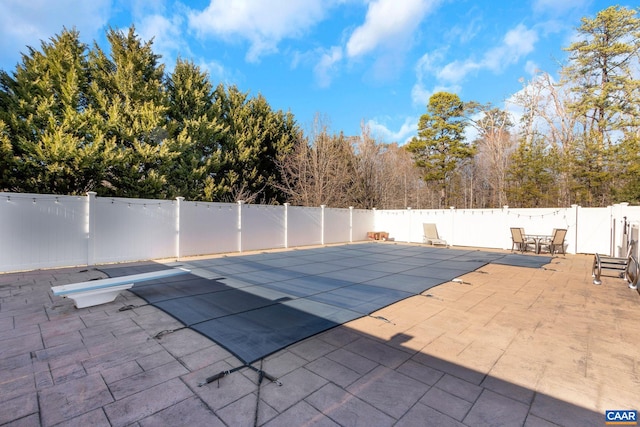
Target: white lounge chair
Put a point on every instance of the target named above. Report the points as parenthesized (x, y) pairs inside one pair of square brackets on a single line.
[(431, 235)]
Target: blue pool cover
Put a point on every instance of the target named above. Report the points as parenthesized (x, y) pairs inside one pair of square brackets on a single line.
[(255, 305)]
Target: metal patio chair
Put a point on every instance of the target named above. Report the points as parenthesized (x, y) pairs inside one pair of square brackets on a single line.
[(555, 243), (521, 242)]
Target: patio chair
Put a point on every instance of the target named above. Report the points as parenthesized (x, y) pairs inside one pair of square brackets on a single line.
[(627, 267), (431, 235), (555, 243), (520, 242)]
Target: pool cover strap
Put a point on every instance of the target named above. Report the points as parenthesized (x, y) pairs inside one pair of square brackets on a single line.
[(261, 374)]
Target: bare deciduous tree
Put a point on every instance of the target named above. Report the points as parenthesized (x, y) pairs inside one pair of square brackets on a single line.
[(320, 169), (494, 145)]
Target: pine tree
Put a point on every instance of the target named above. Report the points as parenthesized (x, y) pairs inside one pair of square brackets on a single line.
[(440, 148), (56, 147), (531, 176), (196, 127), (628, 190), (7, 161), (127, 91), (256, 138), (602, 73)]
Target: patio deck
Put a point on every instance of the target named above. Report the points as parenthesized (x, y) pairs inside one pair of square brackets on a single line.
[(510, 346)]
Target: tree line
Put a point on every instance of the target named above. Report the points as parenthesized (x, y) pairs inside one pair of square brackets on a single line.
[(577, 140), (74, 118)]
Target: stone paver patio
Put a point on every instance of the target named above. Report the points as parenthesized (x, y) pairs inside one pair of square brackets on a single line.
[(511, 346)]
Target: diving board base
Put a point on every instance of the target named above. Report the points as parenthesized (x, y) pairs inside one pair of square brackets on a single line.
[(97, 296)]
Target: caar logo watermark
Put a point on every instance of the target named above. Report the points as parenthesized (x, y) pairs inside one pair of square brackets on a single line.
[(621, 418)]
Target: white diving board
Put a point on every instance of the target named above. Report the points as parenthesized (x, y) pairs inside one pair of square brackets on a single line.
[(101, 291)]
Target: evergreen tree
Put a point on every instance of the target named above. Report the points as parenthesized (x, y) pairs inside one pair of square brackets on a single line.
[(602, 73), (588, 162), (531, 176), (196, 127), (56, 146), (127, 91), (628, 154), (440, 148), (7, 161), (256, 138)]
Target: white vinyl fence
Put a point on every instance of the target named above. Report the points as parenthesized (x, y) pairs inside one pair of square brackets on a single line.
[(42, 231)]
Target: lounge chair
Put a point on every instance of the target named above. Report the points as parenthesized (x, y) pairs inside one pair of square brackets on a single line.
[(431, 235), (521, 242), (627, 268), (555, 243)]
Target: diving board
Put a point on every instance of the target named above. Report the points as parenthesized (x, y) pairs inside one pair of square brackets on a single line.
[(101, 291)]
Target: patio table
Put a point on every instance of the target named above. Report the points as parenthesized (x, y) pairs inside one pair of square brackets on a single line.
[(538, 238)]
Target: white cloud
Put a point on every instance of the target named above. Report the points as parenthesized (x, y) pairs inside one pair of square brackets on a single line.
[(517, 42), (262, 23), (467, 33), (167, 37), (531, 67), (420, 94), (389, 28), (520, 40), (426, 67), (26, 23), (387, 23), (326, 67), (428, 62), (456, 71), (407, 130), (218, 73)]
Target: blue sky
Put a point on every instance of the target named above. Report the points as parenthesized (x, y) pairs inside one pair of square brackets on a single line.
[(350, 61)]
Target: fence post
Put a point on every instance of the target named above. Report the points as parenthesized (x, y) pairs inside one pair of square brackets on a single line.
[(505, 218), (322, 224), (350, 224), (178, 207), (576, 215), (240, 202), (410, 221), (375, 221), (286, 225), (91, 226), (452, 210)]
